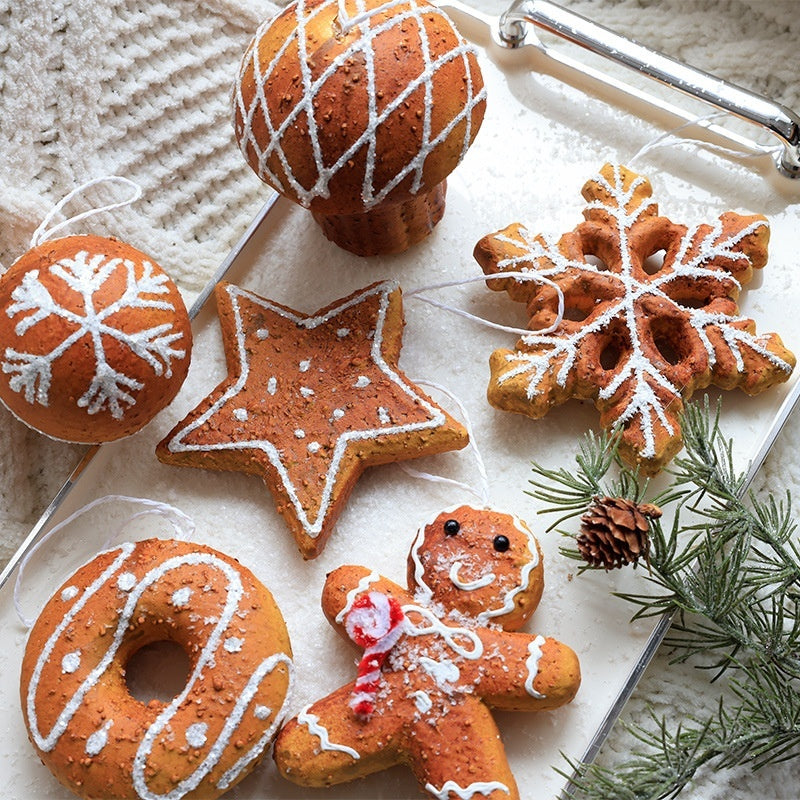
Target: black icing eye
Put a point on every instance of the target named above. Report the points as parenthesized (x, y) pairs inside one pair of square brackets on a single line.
[(452, 527), (501, 543)]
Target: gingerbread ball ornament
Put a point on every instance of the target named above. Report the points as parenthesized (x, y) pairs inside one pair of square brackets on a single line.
[(94, 339), (438, 657), (359, 111)]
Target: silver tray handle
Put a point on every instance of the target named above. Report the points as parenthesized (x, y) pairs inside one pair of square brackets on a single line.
[(774, 117)]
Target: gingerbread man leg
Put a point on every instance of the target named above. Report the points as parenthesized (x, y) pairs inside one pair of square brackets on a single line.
[(462, 755)]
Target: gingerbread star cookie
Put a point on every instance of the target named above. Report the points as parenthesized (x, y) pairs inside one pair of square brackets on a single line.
[(437, 657), (309, 402), (638, 334)]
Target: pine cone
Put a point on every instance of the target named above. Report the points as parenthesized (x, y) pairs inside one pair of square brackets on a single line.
[(614, 532)]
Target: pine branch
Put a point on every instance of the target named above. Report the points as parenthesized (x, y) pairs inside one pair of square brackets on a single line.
[(727, 569)]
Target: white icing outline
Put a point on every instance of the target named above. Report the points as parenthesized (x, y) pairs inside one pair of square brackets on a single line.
[(532, 665), (205, 659), (360, 47), (311, 721), (85, 273), (436, 417), (484, 788), (643, 403)]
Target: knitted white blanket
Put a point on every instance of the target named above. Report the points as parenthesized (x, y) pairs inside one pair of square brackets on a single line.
[(140, 88)]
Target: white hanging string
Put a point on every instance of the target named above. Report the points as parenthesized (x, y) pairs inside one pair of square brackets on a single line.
[(483, 493), (47, 229), (671, 139), (525, 276), (181, 523)]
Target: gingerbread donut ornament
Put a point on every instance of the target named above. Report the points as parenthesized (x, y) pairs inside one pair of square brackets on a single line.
[(358, 110), (94, 736), (94, 339), (638, 335), (437, 657)]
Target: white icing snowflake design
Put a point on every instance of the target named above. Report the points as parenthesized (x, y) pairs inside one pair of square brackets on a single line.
[(360, 48), (110, 389), (636, 336)]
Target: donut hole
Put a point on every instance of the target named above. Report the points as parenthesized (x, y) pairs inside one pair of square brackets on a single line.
[(654, 262), (157, 671)]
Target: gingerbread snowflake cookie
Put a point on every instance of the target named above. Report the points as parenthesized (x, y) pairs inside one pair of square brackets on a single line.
[(94, 338), (637, 336), (310, 401), (438, 656)]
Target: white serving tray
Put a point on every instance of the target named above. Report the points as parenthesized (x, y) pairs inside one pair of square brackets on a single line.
[(524, 166)]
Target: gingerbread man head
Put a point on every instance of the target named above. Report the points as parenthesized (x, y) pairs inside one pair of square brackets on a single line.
[(483, 564), (437, 657)]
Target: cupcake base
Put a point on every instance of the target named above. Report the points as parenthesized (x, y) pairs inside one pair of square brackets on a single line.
[(386, 229)]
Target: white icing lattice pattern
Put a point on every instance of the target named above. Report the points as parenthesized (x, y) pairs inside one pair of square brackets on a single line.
[(110, 389), (370, 23), (539, 355)]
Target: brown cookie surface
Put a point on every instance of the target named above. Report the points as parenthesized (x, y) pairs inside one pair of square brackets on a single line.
[(311, 401)]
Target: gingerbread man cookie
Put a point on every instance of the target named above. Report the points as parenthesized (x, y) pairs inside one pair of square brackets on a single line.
[(637, 336), (438, 656), (310, 401)]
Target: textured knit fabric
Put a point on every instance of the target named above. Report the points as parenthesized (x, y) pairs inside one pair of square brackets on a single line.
[(140, 88)]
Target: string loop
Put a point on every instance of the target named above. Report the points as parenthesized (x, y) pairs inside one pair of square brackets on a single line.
[(47, 229), (525, 276), (483, 493), (182, 524)]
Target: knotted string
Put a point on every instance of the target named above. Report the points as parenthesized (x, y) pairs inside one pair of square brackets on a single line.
[(47, 230), (524, 276), (671, 139), (182, 524), (483, 493)]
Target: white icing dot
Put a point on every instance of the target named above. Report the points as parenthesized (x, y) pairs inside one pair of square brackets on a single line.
[(383, 415), (233, 644), (196, 734), (272, 385), (126, 581), (314, 447), (240, 414), (71, 662), (305, 365), (443, 672), (362, 382), (342, 332), (422, 701), (180, 597), (337, 413), (306, 392), (262, 712), (262, 333), (69, 592), (98, 740), (300, 433)]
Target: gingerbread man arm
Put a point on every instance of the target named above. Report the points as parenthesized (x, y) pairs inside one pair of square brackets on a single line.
[(532, 673), (326, 743), (344, 584)]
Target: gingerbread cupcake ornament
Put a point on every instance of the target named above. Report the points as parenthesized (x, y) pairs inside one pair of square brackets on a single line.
[(94, 339), (359, 111), (437, 657), (637, 334)]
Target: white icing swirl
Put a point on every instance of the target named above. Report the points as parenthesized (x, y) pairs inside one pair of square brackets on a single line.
[(532, 665), (484, 788), (311, 721)]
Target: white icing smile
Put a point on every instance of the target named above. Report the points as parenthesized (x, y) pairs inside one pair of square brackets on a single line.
[(485, 580)]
